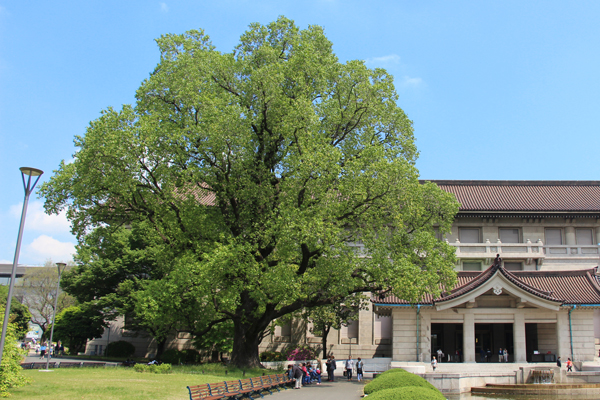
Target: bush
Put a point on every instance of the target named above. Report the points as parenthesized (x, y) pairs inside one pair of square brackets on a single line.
[(302, 353), (396, 380), (154, 368), (393, 371), (173, 356), (11, 373), (272, 356), (408, 393), (120, 349)]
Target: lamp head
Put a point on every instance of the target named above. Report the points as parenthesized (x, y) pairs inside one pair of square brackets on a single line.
[(31, 171)]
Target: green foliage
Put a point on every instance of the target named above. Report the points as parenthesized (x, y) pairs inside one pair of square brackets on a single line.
[(120, 348), (176, 357), (154, 368), (408, 393), (396, 380), (393, 371), (11, 373), (272, 356), (76, 324), (19, 313), (244, 175)]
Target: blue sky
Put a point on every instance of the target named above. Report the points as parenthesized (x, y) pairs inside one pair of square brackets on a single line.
[(496, 89)]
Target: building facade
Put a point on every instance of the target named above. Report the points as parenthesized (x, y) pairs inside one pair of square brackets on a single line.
[(536, 227)]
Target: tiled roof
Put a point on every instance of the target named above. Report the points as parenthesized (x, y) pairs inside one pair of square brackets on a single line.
[(567, 287), (523, 196)]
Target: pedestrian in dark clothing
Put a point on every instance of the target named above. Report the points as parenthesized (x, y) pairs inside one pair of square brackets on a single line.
[(298, 373)]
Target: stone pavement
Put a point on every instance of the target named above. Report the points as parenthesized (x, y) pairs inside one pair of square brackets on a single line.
[(339, 390)]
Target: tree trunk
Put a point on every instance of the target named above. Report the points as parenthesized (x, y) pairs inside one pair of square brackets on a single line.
[(325, 332), (160, 348), (246, 338)]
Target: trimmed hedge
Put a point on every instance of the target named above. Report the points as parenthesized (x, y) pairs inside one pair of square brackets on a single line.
[(393, 371), (396, 380), (408, 393), (120, 348)]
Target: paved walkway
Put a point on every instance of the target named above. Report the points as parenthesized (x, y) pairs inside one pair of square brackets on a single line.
[(338, 390)]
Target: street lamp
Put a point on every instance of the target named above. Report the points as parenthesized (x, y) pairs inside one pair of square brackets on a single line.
[(28, 186), (61, 268)]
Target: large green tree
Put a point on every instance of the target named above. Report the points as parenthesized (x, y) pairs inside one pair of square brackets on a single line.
[(257, 168)]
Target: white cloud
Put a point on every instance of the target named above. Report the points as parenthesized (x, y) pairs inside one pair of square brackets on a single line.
[(46, 247), (384, 61), (5, 262), (38, 220), (164, 7), (411, 82)]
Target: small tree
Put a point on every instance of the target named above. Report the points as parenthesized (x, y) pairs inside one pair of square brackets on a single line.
[(10, 370), (19, 313), (76, 324), (37, 290), (334, 316)]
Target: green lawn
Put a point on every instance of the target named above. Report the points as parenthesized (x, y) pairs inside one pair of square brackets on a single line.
[(110, 384)]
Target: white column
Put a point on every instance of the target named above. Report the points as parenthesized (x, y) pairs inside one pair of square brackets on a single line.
[(469, 337), (563, 337), (519, 337)]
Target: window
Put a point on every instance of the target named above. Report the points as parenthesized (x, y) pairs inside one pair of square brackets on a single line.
[(584, 236), (513, 266), (469, 235), (509, 235), (554, 237), (471, 266)]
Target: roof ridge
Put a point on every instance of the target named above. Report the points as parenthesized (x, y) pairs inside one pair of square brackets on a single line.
[(459, 182)]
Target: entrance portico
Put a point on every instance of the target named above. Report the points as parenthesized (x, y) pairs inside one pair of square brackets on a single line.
[(528, 313)]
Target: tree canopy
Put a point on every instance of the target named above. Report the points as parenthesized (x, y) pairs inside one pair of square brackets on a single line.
[(263, 173)]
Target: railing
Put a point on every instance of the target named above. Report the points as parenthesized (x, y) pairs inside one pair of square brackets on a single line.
[(571, 251), (489, 250)]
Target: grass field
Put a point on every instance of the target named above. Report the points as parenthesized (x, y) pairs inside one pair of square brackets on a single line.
[(112, 384)]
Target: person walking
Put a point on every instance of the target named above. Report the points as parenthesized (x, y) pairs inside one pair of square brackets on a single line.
[(42, 350), (558, 362), (500, 355), (569, 365), (297, 376), (349, 368), (434, 363), (359, 369), (505, 355)]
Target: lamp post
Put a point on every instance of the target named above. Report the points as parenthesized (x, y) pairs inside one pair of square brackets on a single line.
[(28, 186), (61, 268)]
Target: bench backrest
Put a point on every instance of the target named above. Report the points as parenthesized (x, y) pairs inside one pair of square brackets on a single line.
[(233, 386), (198, 392), (217, 388), (257, 382), (246, 384)]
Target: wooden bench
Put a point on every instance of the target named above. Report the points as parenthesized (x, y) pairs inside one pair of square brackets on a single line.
[(238, 389)]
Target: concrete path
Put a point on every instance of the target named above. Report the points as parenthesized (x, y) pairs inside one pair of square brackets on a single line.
[(338, 390)]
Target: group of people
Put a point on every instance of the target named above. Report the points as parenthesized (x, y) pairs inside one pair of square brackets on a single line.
[(43, 348), (306, 373), (569, 364), (486, 355), (502, 355)]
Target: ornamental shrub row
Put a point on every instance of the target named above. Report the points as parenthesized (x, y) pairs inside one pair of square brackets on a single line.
[(155, 368), (398, 384)]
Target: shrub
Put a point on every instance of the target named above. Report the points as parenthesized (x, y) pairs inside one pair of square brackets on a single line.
[(11, 373), (302, 353), (272, 356), (408, 393), (120, 349), (396, 380), (154, 368), (393, 371), (173, 356)]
